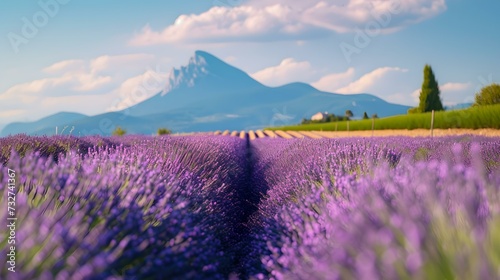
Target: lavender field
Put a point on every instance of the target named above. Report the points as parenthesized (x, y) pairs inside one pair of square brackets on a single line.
[(217, 207)]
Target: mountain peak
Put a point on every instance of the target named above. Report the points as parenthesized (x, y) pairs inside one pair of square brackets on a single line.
[(204, 55), (202, 66)]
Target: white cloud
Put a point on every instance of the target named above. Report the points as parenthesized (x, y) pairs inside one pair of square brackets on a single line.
[(89, 82), (388, 16), (455, 93), (30, 92), (384, 82), (289, 70), (401, 98), (259, 20), (120, 62), (72, 65), (67, 84), (227, 24), (332, 82), (104, 63), (11, 113), (415, 95), (368, 81), (138, 89), (29, 87), (85, 86), (455, 87), (77, 77)]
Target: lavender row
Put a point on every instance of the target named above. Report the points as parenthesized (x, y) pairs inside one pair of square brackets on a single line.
[(51, 146), (387, 208), (209, 207), (148, 208)]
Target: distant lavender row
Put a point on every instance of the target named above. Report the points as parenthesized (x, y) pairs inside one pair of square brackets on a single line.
[(385, 208), (149, 208), (52, 146)]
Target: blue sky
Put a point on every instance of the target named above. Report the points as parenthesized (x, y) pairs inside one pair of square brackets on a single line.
[(96, 56)]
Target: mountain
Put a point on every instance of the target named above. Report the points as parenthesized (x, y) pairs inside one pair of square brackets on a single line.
[(458, 106), (204, 79), (208, 94), (60, 120)]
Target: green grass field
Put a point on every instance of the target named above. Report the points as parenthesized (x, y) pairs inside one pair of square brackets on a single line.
[(472, 118)]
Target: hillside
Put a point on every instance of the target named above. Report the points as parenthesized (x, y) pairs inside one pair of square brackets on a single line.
[(471, 118)]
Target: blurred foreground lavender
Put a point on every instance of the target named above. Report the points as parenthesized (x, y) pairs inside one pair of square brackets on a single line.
[(213, 207), (392, 208), (148, 208)]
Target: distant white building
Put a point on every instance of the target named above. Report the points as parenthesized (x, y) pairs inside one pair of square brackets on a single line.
[(319, 116)]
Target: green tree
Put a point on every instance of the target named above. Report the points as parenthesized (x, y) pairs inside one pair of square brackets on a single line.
[(163, 131), (119, 131), (331, 118), (414, 110), (349, 114), (365, 116), (488, 95), (429, 94), (374, 116)]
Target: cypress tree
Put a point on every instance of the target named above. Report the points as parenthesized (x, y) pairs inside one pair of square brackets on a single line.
[(430, 95)]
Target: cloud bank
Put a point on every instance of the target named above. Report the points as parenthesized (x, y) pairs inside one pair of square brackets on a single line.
[(105, 83), (265, 20)]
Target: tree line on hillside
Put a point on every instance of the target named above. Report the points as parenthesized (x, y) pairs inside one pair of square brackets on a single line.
[(120, 131), (326, 118), (336, 118)]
